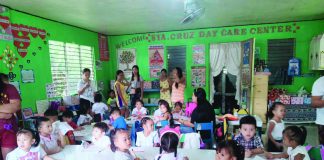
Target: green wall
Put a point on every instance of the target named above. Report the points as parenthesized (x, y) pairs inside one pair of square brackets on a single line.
[(304, 31), (41, 62)]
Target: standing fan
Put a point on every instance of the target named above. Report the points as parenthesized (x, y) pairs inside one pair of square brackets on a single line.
[(192, 11)]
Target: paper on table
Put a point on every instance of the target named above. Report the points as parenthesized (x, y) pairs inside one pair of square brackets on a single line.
[(61, 127)]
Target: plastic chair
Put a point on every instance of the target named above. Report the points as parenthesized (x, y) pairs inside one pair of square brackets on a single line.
[(206, 127), (316, 153), (164, 123)]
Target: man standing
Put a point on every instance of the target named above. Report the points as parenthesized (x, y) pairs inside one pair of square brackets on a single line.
[(318, 103)]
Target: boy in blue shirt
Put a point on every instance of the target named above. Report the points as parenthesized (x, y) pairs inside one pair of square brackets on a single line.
[(119, 121)]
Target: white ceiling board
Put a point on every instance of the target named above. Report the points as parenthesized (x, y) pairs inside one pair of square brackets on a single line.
[(116, 17)]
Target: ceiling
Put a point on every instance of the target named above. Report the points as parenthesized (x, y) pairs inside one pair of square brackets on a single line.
[(117, 17)]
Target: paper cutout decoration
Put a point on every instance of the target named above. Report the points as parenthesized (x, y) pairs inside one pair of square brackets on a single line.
[(34, 53), (27, 113), (103, 47), (294, 67), (198, 76), (198, 54), (4, 22), (21, 66), (9, 58), (11, 75), (28, 61), (33, 31), (27, 76), (42, 106), (50, 90), (126, 59)]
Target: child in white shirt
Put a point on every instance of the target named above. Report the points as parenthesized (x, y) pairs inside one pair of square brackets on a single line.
[(177, 110), (139, 110), (148, 137), (49, 142), (99, 137), (28, 147), (99, 107), (120, 144)]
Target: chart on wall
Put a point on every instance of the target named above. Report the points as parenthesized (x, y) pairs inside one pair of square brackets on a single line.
[(156, 60), (198, 54), (198, 76), (126, 60)]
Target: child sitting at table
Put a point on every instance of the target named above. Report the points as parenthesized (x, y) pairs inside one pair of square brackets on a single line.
[(275, 127), (147, 137), (99, 137), (48, 141), (28, 147), (247, 137), (111, 102), (229, 150), (99, 107), (84, 117), (52, 115), (169, 144), (177, 110), (165, 111), (67, 117), (139, 110), (118, 120), (294, 138), (120, 144)]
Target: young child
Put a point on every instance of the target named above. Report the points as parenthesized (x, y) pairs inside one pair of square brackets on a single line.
[(84, 117), (247, 138), (99, 137), (229, 150), (52, 115), (48, 141), (67, 117), (165, 111), (28, 147), (99, 107), (169, 144), (119, 121), (120, 144), (275, 127), (146, 138), (111, 102), (177, 110), (158, 112), (293, 137), (139, 110)]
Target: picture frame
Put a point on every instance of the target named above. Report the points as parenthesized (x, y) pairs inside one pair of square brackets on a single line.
[(27, 113)]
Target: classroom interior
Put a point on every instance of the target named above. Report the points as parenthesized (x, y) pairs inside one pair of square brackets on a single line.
[(244, 54)]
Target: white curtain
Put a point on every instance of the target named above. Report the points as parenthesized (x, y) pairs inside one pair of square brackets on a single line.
[(225, 55)]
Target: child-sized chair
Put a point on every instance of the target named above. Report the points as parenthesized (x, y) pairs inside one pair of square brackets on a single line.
[(206, 127), (316, 153)]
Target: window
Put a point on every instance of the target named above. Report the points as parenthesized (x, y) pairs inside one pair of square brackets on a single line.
[(176, 58), (67, 62), (279, 53)]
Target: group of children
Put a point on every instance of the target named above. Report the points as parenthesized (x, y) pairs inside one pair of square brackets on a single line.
[(247, 143)]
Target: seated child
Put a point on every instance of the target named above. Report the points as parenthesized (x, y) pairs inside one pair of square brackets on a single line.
[(52, 115), (177, 110), (99, 107), (247, 138), (165, 111), (111, 102), (147, 137), (120, 144), (275, 127), (229, 150), (84, 117), (158, 111), (28, 147), (99, 137), (67, 117), (118, 120), (169, 143), (139, 110), (294, 138), (48, 141)]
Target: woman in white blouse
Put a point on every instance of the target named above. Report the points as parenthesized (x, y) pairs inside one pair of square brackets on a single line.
[(86, 90)]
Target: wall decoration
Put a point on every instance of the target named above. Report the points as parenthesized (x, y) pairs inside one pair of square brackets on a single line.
[(50, 90), (126, 59), (28, 61), (103, 47), (294, 67), (198, 76), (17, 85), (27, 113), (9, 58), (156, 60), (98, 65), (11, 75), (198, 54), (34, 53), (27, 76), (39, 48), (21, 66)]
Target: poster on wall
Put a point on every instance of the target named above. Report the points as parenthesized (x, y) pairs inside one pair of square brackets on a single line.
[(198, 77), (126, 60), (198, 54), (246, 76), (246, 53), (50, 90), (27, 76), (103, 47), (156, 60)]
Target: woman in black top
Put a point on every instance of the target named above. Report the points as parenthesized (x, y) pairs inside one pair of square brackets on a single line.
[(204, 112)]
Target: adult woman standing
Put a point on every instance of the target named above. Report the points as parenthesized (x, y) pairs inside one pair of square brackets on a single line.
[(165, 86), (86, 90), (136, 84), (178, 86), (204, 112), (9, 104), (120, 92)]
